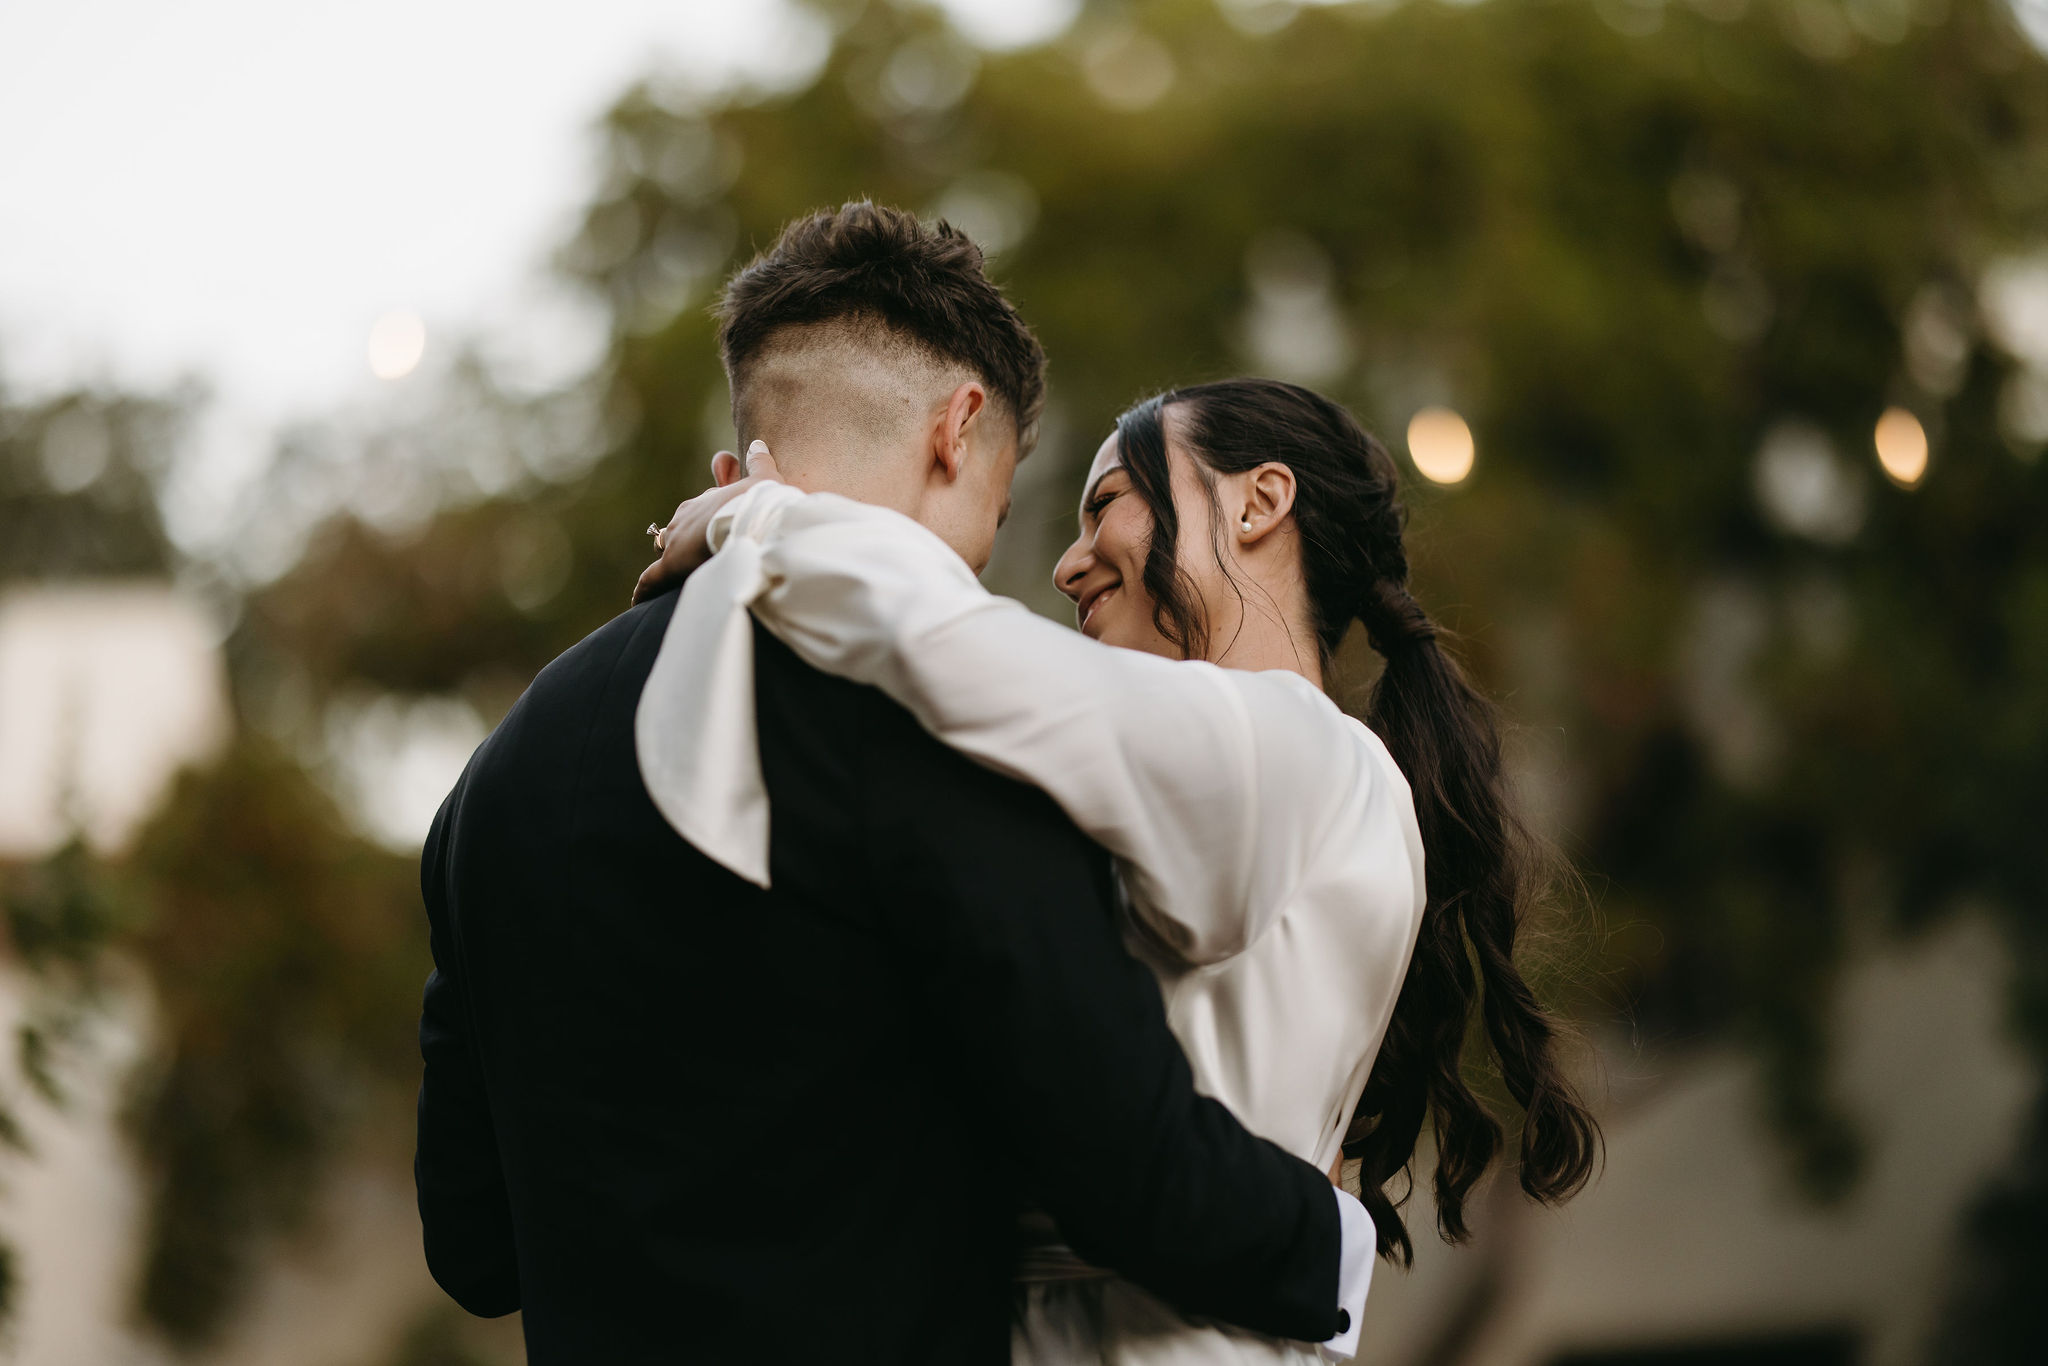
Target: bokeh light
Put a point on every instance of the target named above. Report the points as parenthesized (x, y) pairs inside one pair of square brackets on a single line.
[(397, 341), (1441, 445), (1128, 69), (1805, 487), (1902, 447)]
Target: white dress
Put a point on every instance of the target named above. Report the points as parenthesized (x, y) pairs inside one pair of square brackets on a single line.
[(1266, 843)]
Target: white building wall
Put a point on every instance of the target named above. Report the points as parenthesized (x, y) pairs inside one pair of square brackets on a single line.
[(106, 690)]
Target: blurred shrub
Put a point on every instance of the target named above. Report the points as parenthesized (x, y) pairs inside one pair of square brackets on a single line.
[(60, 913), (287, 956), (80, 473)]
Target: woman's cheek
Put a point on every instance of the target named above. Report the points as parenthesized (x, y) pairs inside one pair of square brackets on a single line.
[(1126, 548)]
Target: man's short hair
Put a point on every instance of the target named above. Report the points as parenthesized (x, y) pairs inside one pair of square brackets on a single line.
[(872, 267)]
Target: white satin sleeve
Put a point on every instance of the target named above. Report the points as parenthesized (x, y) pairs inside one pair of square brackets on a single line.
[(1210, 785)]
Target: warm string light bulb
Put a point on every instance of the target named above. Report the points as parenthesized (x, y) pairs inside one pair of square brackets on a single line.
[(1902, 447), (1440, 444)]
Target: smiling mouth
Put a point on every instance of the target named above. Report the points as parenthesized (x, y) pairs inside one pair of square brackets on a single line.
[(1094, 603)]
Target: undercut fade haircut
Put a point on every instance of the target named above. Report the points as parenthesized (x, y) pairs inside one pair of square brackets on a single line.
[(925, 285)]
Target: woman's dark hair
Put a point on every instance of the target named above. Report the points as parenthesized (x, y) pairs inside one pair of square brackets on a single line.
[(1480, 864)]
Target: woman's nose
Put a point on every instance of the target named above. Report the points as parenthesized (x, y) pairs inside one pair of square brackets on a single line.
[(1072, 568)]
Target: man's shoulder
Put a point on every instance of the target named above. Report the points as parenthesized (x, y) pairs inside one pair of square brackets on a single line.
[(884, 756), (619, 652), (837, 710), (600, 676)]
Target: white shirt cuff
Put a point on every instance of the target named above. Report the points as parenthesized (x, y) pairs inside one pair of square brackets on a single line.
[(1354, 1274)]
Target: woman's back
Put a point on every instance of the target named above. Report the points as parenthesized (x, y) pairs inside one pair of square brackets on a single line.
[(1284, 1031)]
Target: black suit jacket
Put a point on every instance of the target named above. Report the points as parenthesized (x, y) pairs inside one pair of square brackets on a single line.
[(673, 1117)]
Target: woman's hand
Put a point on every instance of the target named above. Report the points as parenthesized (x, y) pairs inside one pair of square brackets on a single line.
[(682, 542)]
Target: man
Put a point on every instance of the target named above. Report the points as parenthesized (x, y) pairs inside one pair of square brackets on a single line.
[(680, 1106)]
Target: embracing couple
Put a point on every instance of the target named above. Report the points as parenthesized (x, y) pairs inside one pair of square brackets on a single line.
[(837, 963)]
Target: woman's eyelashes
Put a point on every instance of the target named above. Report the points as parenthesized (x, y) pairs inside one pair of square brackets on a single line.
[(1099, 502)]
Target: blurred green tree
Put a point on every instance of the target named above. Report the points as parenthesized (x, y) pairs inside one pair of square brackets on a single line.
[(80, 477), (287, 957)]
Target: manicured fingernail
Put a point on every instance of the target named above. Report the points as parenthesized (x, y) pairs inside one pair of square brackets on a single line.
[(757, 448)]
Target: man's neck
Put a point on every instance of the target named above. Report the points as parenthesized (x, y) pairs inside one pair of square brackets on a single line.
[(835, 466)]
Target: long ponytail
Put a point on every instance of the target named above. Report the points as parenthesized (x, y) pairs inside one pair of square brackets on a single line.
[(1479, 868), (1481, 871)]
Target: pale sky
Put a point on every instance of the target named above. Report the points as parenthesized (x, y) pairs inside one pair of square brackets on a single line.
[(239, 189)]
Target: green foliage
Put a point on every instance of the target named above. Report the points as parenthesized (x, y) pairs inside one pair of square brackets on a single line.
[(62, 911), (287, 957), (59, 914), (79, 477)]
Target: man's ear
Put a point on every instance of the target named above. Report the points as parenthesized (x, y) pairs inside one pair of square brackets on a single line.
[(955, 427), (1268, 498)]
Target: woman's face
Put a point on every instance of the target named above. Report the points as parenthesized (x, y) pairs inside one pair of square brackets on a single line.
[(1103, 571)]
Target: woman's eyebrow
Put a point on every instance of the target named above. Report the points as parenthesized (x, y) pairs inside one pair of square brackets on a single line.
[(1088, 494)]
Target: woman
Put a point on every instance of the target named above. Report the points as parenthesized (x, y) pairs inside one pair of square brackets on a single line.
[(1272, 849)]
